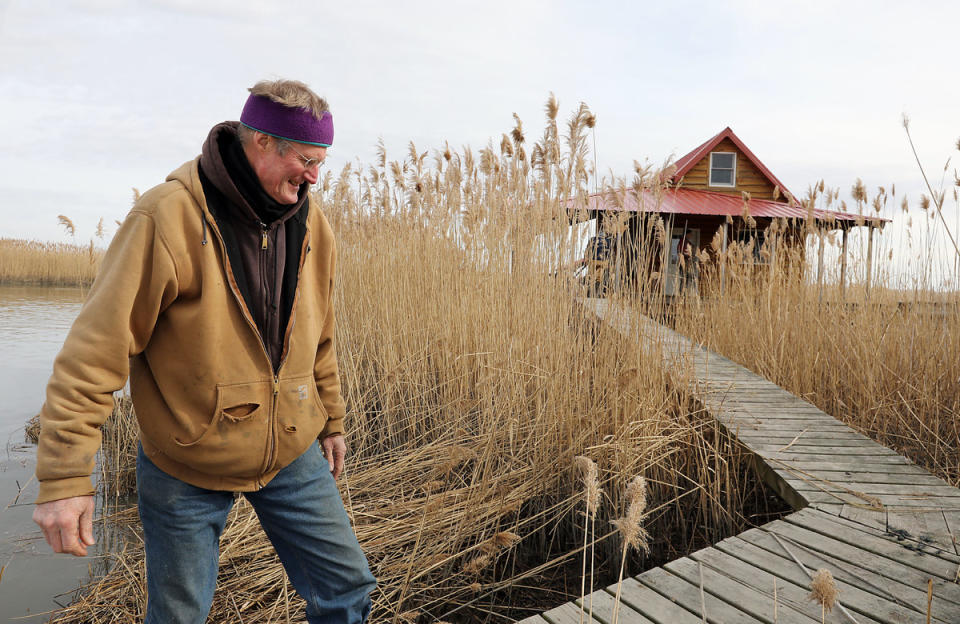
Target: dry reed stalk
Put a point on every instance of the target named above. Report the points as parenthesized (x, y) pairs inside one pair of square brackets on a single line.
[(591, 490), (776, 617)]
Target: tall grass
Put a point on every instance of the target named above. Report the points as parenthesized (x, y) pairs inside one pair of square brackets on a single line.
[(49, 264), (885, 358), (472, 383)]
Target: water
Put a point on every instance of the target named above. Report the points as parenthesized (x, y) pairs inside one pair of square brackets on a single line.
[(33, 324)]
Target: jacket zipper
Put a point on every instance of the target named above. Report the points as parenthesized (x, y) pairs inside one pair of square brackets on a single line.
[(286, 341), (231, 281), (271, 433)]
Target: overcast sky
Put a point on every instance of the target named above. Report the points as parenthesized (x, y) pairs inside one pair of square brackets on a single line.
[(98, 96)]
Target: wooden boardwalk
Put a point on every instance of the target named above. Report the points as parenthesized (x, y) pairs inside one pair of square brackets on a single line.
[(883, 526)]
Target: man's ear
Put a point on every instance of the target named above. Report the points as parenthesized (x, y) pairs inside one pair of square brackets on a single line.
[(263, 141)]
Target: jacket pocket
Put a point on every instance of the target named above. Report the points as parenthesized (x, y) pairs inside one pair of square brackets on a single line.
[(233, 442)]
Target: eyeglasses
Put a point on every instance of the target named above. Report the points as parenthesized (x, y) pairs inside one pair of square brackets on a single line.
[(308, 163)]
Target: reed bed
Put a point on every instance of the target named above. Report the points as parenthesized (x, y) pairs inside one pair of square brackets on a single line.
[(472, 384), (48, 264), (883, 355)]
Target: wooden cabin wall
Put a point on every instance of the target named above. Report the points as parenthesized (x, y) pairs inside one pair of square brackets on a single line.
[(748, 177), (642, 254)]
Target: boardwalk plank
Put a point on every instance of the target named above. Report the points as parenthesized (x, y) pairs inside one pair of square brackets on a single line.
[(865, 549), (931, 492), (793, 590), (852, 558), (862, 590), (774, 424), (801, 435), (848, 445), (533, 619), (925, 525), (569, 613), (688, 596), (947, 554), (603, 604), (744, 596), (876, 518), (651, 604), (845, 464), (726, 405), (953, 525), (773, 454), (871, 479)]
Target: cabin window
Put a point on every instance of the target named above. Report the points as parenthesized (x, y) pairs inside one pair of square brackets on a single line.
[(723, 169)]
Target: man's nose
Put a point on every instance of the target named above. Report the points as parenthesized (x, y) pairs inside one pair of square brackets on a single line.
[(312, 174)]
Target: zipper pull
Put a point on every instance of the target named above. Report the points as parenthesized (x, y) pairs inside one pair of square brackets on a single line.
[(276, 386), (263, 239)]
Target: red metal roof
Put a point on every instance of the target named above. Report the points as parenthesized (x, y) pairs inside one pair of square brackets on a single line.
[(695, 202), (687, 162)]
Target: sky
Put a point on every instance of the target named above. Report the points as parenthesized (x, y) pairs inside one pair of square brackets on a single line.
[(100, 96)]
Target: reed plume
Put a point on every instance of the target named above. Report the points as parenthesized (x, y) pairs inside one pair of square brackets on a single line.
[(67, 224), (632, 532), (824, 591)]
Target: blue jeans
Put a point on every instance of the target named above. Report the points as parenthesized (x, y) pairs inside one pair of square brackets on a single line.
[(300, 511)]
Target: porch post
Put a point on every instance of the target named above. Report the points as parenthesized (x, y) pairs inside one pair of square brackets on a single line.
[(773, 254), (869, 258), (723, 259), (843, 266), (820, 266)]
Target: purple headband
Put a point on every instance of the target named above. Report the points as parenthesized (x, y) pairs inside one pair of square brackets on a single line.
[(262, 114)]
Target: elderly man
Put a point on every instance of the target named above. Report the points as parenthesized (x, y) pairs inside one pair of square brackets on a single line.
[(216, 299)]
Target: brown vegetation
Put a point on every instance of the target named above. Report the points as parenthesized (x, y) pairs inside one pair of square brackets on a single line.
[(52, 264), (884, 360)]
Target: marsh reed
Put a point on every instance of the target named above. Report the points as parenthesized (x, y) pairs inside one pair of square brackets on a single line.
[(883, 356), (48, 264)]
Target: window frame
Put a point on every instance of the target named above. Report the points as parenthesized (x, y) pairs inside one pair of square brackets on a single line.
[(710, 181)]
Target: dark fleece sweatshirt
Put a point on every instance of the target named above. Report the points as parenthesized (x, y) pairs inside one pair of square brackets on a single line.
[(263, 238)]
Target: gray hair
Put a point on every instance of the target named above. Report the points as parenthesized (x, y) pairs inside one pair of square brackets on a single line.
[(291, 93), (246, 134)]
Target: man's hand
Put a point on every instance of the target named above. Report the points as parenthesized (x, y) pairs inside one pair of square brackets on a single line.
[(67, 524), (334, 449)]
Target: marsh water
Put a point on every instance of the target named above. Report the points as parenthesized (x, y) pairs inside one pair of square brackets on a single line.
[(33, 324)]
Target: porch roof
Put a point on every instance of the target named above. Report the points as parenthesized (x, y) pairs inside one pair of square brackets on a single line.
[(710, 203)]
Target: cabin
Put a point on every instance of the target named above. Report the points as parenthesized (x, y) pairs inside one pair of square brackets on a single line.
[(716, 195)]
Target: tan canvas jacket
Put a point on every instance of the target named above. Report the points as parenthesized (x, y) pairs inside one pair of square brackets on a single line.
[(166, 311)]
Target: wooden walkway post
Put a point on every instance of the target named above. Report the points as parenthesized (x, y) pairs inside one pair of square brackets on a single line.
[(843, 266), (723, 259), (869, 257), (820, 266)]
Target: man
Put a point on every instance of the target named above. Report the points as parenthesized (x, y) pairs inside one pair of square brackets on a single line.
[(596, 258), (216, 298)]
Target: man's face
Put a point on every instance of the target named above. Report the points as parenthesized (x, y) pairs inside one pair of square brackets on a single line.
[(281, 175)]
